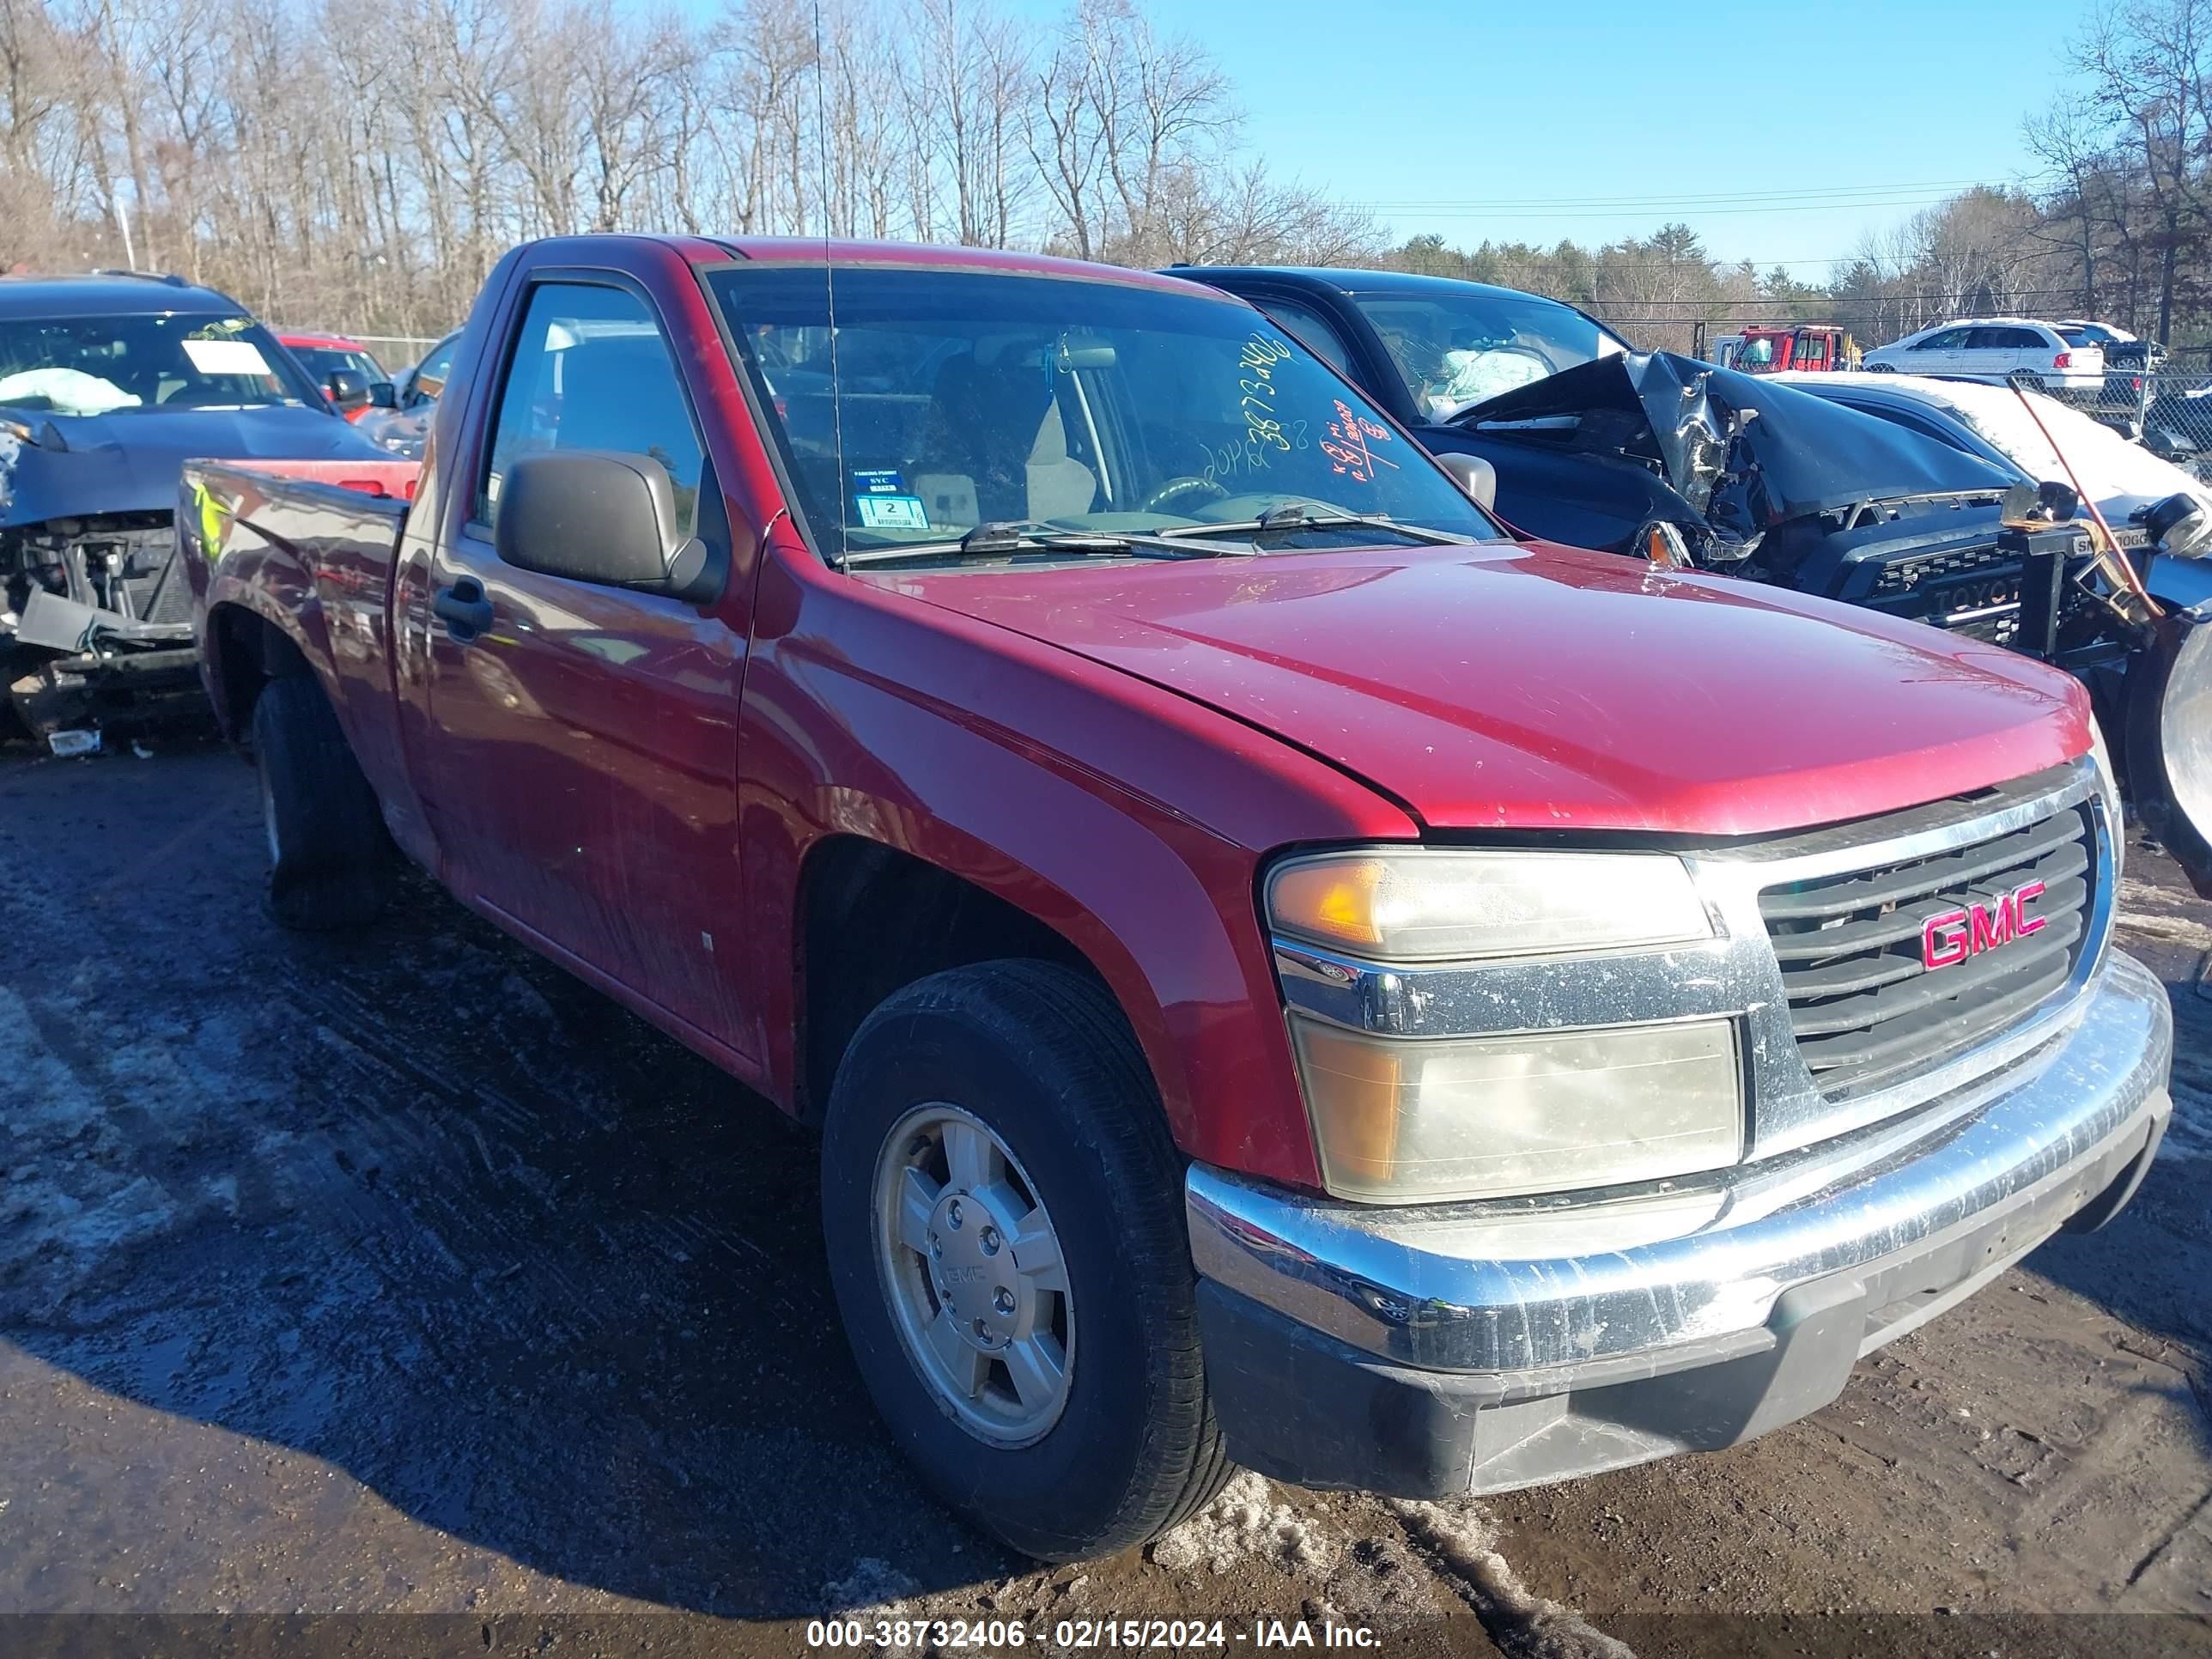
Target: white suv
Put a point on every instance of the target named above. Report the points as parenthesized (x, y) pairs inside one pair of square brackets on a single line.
[(1994, 349)]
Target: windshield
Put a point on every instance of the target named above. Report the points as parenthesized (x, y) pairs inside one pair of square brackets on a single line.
[(1458, 348), (323, 361), (104, 365), (955, 399), (2089, 334)]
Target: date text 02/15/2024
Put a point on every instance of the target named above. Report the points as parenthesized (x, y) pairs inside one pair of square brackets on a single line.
[(1068, 1635)]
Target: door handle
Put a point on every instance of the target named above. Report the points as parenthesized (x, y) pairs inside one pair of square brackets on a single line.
[(466, 612)]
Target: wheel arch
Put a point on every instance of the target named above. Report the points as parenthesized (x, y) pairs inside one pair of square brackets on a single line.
[(1140, 915), (245, 648), (873, 919)]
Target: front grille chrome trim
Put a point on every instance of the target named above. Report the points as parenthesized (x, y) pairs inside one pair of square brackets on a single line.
[(1737, 973)]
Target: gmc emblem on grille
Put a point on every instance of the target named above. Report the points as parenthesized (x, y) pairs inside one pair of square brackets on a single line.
[(1954, 935)]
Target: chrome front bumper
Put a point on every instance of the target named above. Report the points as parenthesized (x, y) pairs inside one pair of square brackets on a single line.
[(1511, 1342)]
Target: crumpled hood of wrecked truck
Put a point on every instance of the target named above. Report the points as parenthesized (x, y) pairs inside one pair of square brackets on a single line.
[(1528, 687), (128, 461), (1748, 451)]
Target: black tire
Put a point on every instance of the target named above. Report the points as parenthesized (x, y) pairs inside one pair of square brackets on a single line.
[(330, 864), (1042, 1056)]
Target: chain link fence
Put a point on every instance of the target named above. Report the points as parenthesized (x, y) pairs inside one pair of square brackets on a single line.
[(2170, 409)]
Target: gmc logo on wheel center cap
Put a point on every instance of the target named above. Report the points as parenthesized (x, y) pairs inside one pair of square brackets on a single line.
[(1953, 935)]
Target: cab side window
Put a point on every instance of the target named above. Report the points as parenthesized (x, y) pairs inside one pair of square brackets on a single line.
[(591, 370), (1312, 330), (427, 379)]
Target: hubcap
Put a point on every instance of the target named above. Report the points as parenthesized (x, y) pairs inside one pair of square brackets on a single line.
[(973, 1272)]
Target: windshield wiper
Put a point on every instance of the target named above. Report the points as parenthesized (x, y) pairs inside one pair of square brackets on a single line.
[(1012, 535), (1300, 515)]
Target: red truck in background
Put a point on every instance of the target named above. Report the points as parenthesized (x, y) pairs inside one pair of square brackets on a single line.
[(1285, 971), (1770, 349), (347, 370)]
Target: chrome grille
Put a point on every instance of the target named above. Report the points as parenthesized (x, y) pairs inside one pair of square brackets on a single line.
[(1865, 1008)]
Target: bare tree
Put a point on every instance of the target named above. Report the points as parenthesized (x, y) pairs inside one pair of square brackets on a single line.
[(2149, 63)]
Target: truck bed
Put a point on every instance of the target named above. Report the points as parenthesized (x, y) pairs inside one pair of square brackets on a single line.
[(310, 507), (320, 538)]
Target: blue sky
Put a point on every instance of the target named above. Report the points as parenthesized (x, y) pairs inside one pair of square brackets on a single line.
[(1450, 110)]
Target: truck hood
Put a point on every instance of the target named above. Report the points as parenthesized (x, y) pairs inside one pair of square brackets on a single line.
[(1744, 451), (128, 461), (1528, 687)]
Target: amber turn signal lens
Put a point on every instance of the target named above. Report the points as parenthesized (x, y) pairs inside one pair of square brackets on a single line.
[(1332, 900), (1453, 904)]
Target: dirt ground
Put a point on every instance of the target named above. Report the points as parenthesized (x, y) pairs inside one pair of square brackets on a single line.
[(404, 1295)]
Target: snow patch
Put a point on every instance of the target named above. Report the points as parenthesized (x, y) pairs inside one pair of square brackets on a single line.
[(63, 1205), (1244, 1523), (2189, 1132), (1525, 1626), (2167, 929), (2152, 912), (874, 1591), (873, 1586)]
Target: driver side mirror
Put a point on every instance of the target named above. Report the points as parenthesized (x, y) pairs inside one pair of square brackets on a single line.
[(595, 516), (1474, 475), (382, 394), (2049, 503), (348, 389)]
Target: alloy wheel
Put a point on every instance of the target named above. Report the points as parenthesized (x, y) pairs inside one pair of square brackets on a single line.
[(974, 1275)]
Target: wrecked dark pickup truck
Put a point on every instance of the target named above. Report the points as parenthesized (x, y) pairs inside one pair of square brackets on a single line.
[(1575, 438), (108, 384)]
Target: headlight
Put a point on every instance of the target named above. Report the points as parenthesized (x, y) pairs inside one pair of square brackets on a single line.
[(1439, 904), (1410, 1122), (1401, 1121), (2108, 784)]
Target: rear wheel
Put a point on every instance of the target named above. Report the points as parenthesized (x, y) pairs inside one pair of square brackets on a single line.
[(330, 866), (1003, 1209)]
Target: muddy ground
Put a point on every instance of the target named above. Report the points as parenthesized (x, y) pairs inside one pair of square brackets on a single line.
[(405, 1276)]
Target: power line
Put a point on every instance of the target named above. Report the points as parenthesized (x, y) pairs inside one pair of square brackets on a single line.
[(1676, 208), (1792, 194)]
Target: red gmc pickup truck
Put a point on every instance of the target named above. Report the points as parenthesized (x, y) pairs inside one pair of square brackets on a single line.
[(1283, 971)]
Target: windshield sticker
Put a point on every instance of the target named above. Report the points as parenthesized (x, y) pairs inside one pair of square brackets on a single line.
[(886, 481), (1256, 379), (892, 511), (1348, 445), (226, 356)]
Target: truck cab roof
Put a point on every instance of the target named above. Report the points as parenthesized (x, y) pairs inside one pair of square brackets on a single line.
[(104, 294), (1357, 281)]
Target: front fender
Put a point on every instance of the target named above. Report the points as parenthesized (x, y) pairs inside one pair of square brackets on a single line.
[(1163, 910), (1128, 820)]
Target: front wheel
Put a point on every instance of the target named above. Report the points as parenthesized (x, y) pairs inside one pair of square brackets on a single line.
[(1003, 1209)]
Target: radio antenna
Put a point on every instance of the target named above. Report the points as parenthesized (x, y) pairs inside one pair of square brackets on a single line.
[(830, 283)]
